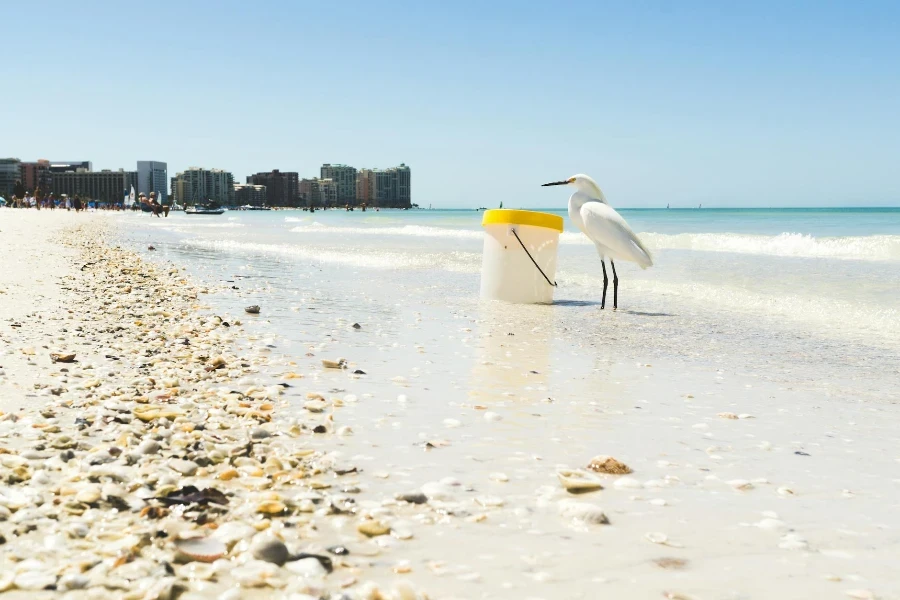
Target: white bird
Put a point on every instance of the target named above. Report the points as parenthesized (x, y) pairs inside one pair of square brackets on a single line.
[(612, 236)]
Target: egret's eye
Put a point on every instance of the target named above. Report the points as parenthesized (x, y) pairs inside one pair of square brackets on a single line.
[(571, 180)]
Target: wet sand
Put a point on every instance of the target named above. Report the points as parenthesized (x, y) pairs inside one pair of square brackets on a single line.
[(741, 487)]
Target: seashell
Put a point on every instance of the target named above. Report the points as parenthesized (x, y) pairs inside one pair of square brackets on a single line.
[(727, 415), (608, 465), (413, 497), (657, 538), (315, 406), (34, 580), (271, 550), (578, 482), (785, 491), (207, 549), (334, 364), (582, 511), (89, 495), (489, 501), (253, 310), (792, 541), (72, 581), (62, 357), (6, 580), (149, 447), (307, 567), (228, 474), (492, 416), (271, 507), (373, 528), (185, 467), (149, 412)]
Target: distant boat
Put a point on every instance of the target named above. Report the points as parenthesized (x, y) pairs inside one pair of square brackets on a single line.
[(667, 206), (251, 207), (204, 209)]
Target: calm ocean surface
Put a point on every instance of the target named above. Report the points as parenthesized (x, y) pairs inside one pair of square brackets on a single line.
[(805, 295)]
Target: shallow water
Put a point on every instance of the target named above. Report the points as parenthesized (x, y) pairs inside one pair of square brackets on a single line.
[(805, 335)]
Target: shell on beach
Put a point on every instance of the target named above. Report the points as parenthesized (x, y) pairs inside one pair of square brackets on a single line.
[(206, 549), (578, 482), (583, 511), (608, 465)]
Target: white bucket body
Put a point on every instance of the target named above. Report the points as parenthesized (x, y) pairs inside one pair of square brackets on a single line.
[(506, 271)]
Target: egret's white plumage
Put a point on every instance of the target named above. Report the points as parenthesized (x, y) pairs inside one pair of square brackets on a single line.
[(614, 239)]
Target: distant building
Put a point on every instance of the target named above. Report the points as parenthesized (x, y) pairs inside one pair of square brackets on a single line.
[(152, 176), (64, 166), (282, 188), (309, 192), (328, 190), (104, 186), (36, 175), (364, 182), (344, 178), (384, 187), (197, 186), (247, 193), (9, 174)]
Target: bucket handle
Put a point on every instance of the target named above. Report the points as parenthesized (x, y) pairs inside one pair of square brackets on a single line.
[(534, 262)]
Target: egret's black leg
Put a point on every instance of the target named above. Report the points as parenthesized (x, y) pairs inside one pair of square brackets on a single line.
[(605, 282), (615, 286)]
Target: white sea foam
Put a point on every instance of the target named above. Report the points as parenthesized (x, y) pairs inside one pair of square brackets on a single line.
[(874, 247), (871, 247)]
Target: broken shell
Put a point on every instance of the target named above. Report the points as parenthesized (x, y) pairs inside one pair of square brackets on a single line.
[(608, 465), (253, 310), (727, 415), (334, 364), (578, 482), (62, 357), (200, 549)]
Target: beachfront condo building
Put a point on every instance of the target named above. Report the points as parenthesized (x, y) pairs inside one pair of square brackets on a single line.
[(64, 166), (384, 187), (282, 188), (9, 175), (197, 186), (344, 178), (103, 186), (153, 177), (248, 193), (36, 175)]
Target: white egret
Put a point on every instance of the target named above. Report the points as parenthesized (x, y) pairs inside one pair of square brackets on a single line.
[(612, 236)]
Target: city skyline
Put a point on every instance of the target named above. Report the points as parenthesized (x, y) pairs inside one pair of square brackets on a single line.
[(724, 105)]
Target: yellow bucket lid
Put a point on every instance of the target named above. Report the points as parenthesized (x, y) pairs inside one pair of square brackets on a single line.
[(503, 216)]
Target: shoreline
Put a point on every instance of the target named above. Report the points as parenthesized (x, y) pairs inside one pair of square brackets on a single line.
[(155, 462)]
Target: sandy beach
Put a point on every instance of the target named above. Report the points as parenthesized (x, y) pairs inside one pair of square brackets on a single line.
[(191, 450)]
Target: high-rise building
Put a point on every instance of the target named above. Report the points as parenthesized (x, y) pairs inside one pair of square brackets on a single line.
[(9, 175), (344, 178), (282, 188), (104, 186), (152, 176), (197, 186), (247, 193), (364, 182), (384, 187), (328, 191), (36, 175), (309, 192)]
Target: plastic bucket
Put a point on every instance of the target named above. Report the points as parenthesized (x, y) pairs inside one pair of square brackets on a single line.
[(519, 260)]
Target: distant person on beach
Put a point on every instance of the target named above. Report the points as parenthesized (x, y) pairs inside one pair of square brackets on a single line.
[(154, 205)]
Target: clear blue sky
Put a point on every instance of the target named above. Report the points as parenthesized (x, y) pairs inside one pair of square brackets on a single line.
[(762, 104)]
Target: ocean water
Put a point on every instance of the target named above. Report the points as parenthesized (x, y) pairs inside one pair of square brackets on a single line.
[(789, 315), (816, 286)]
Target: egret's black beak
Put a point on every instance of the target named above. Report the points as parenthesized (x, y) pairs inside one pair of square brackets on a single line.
[(555, 183)]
